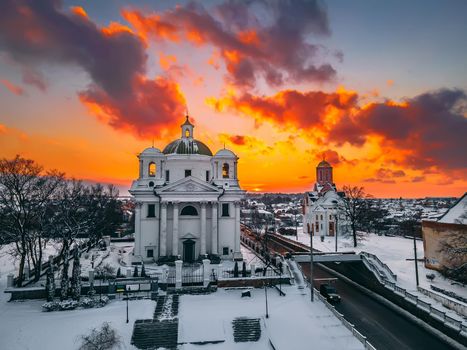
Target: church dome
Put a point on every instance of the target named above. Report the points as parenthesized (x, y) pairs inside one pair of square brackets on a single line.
[(151, 151), (187, 146), (225, 153), (324, 164)]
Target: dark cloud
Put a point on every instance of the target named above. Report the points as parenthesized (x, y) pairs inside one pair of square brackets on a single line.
[(40, 32), (34, 77), (238, 139), (268, 39), (429, 128)]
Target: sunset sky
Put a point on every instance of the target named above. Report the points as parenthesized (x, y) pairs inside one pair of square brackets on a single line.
[(379, 88)]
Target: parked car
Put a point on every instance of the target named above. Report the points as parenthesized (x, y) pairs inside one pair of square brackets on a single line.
[(330, 293)]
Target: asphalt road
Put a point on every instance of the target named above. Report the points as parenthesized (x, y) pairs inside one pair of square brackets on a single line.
[(384, 328)]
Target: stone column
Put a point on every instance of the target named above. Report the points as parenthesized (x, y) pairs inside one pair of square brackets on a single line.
[(206, 272), (138, 206), (203, 228), (175, 230), (237, 253), (163, 242), (178, 274), (214, 243)]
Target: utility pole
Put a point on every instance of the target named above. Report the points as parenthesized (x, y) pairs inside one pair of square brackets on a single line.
[(266, 293), (296, 232), (311, 265), (336, 217), (415, 255), (126, 289)]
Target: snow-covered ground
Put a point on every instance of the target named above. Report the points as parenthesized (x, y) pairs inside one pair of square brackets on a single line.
[(393, 251), (294, 322)]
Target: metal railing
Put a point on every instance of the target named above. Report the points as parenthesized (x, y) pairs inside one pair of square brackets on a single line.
[(340, 316), (425, 306)]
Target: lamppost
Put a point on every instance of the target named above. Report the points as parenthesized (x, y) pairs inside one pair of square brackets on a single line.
[(336, 219), (266, 294), (311, 265), (415, 255), (126, 291)]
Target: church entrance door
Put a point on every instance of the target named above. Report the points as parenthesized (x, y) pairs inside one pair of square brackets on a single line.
[(189, 250)]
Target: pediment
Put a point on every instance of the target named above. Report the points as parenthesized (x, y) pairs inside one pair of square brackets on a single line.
[(187, 185)]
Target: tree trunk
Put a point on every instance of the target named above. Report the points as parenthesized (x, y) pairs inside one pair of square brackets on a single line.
[(21, 270), (354, 233)]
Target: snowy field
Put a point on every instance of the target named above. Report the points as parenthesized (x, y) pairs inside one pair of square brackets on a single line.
[(293, 321)]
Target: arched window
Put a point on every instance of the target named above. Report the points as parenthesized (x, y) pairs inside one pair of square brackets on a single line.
[(189, 210), (187, 133), (152, 169), (225, 171)]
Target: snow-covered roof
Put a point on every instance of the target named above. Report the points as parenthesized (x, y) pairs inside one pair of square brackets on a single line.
[(151, 151), (458, 213), (225, 153)]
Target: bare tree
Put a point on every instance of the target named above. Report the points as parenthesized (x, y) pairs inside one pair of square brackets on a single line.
[(24, 196), (354, 207)]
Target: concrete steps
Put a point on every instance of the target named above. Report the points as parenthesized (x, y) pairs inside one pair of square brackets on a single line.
[(162, 330), (246, 329)]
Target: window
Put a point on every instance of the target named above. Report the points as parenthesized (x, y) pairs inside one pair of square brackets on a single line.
[(225, 209), (317, 226), (308, 227), (167, 176), (225, 171), (151, 210), (189, 210), (187, 133), (225, 251), (187, 173), (321, 217), (150, 253), (207, 176), (316, 216), (152, 169)]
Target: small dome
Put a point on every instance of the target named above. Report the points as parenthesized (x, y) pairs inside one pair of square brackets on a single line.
[(151, 151), (187, 146), (225, 153), (324, 164)]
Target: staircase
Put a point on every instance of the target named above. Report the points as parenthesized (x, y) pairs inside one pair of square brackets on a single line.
[(246, 329), (162, 330)]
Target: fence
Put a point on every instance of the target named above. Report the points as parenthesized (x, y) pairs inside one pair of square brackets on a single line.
[(426, 307), (379, 264)]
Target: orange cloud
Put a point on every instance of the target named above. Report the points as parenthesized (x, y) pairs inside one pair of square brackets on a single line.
[(250, 48), (79, 11), (14, 89)]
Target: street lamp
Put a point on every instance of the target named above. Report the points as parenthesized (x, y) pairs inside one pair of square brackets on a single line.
[(311, 265), (415, 255), (126, 290)]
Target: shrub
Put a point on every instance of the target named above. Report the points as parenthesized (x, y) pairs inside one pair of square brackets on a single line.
[(104, 338), (67, 305), (50, 306), (87, 303)]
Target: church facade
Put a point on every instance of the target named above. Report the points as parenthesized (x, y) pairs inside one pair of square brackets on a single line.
[(187, 202), (322, 207)]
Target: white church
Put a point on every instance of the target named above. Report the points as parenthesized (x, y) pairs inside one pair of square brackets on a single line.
[(322, 207), (187, 202)]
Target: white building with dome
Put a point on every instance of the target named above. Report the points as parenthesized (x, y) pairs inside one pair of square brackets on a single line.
[(187, 202)]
